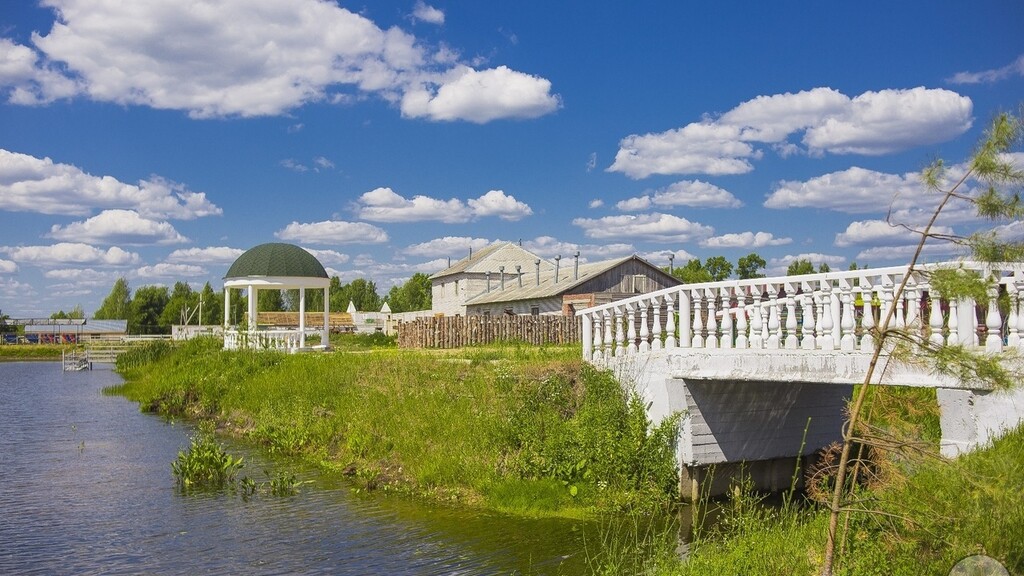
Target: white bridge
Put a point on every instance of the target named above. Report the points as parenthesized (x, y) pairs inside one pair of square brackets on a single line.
[(762, 368)]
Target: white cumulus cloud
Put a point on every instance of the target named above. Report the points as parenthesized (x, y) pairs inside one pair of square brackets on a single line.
[(169, 271), (333, 232), (447, 246), (654, 227), (778, 266), (1015, 68), (30, 184), (871, 123), (70, 253), (693, 193), (481, 96), (549, 247), (118, 227), (254, 58), (8, 267), (209, 255), (497, 203), (328, 257), (745, 240), (426, 13), (385, 205)]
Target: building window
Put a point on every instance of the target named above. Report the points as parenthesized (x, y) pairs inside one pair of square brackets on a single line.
[(535, 311), (509, 312)]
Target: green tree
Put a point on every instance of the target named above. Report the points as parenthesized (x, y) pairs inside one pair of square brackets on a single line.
[(411, 296), (147, 307), (4, 326), (211, 308), (75, 314), (692, 273), (999, 201), (270, 301), (118, 304), (361, 292), (801, 266), (748, 266), (182, 303), (718, 267)]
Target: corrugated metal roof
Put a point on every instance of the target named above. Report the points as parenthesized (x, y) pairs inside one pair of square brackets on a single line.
[(489, 259), (547, 287), (91, 326)]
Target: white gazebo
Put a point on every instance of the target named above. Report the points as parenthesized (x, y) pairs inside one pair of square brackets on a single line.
[(274, 266)]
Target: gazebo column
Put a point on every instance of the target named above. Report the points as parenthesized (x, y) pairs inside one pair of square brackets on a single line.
[(227, 307), (252, 307), (302, 317), (324, 338)]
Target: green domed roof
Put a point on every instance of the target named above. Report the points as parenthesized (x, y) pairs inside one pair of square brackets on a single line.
[(277, 259)]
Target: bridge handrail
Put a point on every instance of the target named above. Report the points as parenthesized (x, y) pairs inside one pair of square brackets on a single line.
[(811, 311)]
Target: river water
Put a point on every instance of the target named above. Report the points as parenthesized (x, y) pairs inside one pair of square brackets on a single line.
[(86, 488)]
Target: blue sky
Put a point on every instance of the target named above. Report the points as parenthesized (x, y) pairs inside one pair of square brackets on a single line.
[(158, 141)]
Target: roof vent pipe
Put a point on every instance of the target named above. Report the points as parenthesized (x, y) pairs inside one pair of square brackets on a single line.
[(519, 274), (576, 266), (501, 269), (488, 280), (557, 258), (536, 264)]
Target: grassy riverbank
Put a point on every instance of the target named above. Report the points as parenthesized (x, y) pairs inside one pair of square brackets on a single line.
[(521, 429), (21, 352), (922, 524)]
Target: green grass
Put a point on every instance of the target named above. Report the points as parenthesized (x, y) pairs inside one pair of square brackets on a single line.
[(923, 523), (530, 430), (18, 352)]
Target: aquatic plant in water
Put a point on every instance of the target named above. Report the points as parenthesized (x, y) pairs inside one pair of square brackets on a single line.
[(205, 465)]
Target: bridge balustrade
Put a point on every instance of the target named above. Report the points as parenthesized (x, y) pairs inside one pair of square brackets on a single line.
[(833, 311)]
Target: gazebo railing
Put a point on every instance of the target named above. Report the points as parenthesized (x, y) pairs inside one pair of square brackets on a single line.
[(284, 340)]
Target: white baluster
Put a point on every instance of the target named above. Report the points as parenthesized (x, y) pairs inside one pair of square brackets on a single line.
[(756, 320), (598, 351), (887, 300), (1013, 317), (588, 336), (608, 334), (670, 321), (698, 319), (913, 296), (935, 317), (954, 324), (620, 333), (631, 328), (993, 323), (656, 327), (685, 326), (867, 320), (1019, 284), (774, 325), (791, 342), (808, 342), (712, 322), (828, 338), (645, 333), (899, 317), (742, 341), (847, 321), (727, 324)]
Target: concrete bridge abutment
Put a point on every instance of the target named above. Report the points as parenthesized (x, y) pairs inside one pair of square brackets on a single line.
[(766, 414)]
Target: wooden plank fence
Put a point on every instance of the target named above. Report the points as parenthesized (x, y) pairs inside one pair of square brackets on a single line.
[(459, 331)]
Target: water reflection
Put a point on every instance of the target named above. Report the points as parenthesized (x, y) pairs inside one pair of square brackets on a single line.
[(86, 488)]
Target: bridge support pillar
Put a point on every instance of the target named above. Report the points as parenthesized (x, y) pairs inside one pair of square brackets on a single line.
[(972, 419)]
